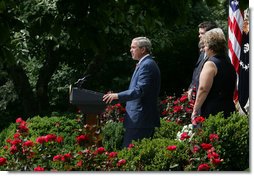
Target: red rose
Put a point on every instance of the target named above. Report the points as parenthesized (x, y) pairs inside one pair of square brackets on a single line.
[(215, 155), (203, 167), (67, 156), (16, 135), (184, 135), (2, 161), (165, 112), (164, 101), (195, 149), (41, 139), (28, 143), (15, 141), (23, 128), (121, 162), (38, 168), (121, 119), (13, 149), (216, 161), (206, 146), (213, 137), (112, 154), (57, 158), (184, 98), (59, 139), (19, 120), (199, 119), (80, 163), (130, 146), (50, 137), (177, 109), (100, 150), (171, 148), (82, 138)]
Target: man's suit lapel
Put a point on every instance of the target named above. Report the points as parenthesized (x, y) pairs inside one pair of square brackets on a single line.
[(136, 69), (201, 57)]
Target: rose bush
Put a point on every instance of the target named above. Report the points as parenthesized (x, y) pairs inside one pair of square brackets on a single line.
[(177, 109), (46, 153), (66, 144)]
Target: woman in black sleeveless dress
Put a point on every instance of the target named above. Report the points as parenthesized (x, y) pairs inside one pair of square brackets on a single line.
[(217, 80)]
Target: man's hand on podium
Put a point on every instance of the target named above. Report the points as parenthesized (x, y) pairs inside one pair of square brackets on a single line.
[(109, 97)]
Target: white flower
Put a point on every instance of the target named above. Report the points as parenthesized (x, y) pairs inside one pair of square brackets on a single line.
[(187, 129)]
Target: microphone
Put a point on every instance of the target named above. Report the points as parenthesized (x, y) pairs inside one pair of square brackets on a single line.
[(81, 81)]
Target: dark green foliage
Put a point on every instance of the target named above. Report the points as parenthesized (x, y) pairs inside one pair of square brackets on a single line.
[(8, 100), (60, 126), (7, 133), (167, 130), (174, 80), (152, 155), (66, 127), (234, 133), (59, 87), (112, 135)]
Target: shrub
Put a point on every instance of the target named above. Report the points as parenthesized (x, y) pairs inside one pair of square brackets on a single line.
[(48, 152), (155, 155), (168, 129), (205, 150), (36, 144), (234, 134), (113, 113), (7, 133), (112, 135), (60, 126), (176, 109), (68, 128)]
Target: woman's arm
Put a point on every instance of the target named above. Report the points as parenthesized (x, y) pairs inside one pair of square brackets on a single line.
[(205, 83)]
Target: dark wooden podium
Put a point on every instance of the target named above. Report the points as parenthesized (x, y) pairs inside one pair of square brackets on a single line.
[(89, 103)]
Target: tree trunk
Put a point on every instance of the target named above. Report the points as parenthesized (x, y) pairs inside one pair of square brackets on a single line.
[(45, 74), (23, 89)]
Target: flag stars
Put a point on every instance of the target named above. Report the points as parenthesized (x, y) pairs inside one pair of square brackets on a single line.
[(246, 47), (244, 66), (235, 2)]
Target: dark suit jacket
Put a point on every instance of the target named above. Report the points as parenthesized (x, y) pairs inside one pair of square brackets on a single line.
[(197, 70), (142, 96)]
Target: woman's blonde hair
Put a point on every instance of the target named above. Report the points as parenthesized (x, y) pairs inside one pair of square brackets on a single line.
[(216, 41)]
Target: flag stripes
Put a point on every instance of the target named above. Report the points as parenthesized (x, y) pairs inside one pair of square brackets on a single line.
[(235, 25)]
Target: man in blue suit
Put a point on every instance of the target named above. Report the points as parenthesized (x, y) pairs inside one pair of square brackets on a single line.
[(142, 114)]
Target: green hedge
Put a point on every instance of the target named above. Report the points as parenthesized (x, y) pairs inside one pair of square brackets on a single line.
[(112, 135), (168, 129), (233, 144), (152, 155), (146, 155), (64, 126), (234, 134)]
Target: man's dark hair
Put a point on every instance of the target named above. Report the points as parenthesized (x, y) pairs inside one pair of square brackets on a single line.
[(208, 25)]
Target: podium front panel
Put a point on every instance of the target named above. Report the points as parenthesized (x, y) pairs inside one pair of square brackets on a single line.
[(89, 102)]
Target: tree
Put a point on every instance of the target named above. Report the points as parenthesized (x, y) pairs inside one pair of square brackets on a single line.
[(38, 37)]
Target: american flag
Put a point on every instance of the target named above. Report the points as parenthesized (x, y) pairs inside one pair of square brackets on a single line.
[(235, 26)]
